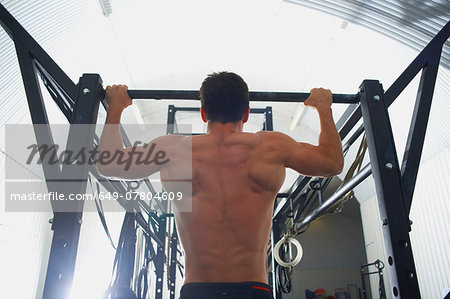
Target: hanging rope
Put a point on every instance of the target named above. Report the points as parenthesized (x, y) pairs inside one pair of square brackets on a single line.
[(100, 211), (354, 168), (336, 208), (123, 247)]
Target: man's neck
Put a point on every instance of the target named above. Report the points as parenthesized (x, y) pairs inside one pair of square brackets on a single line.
[(224, 128)]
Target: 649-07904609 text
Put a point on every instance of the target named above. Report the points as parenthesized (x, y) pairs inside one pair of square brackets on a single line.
[(131, 195)]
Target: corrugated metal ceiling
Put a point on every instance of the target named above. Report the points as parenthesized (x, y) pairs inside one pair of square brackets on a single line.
[(411, 22)]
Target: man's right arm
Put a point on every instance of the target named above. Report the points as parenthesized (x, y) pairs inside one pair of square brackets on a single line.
[(326, 159)]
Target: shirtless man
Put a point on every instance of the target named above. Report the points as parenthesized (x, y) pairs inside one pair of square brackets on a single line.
[(235, 179)]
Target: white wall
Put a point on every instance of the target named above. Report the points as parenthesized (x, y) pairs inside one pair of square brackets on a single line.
[(333, 251), (430, 235), (374, 243), (25, 239)]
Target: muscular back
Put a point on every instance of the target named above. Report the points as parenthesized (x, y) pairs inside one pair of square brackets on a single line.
[(236, 177)]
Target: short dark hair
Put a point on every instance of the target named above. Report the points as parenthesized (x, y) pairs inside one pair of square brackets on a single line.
[(224, 97)]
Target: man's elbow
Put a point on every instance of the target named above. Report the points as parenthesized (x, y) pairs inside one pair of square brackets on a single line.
[(337, 165), (105, 170), (337, 169), (334, 166)]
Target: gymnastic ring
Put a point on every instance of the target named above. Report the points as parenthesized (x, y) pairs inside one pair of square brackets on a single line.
[(296, 260)]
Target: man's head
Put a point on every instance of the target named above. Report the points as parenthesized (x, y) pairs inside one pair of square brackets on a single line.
[(224, 97)]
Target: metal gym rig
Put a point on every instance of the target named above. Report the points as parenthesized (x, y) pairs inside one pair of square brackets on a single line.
[(80, 103)]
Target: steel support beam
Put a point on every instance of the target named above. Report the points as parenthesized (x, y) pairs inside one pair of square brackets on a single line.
[(171, 123), (68, 214), (64, 102), (268, 119), (160, 258), (173, 262), (352, 183), (386, 172), (429, 53), (37, 111), (416, 136)]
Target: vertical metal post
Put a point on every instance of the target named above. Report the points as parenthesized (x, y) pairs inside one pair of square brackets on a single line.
[(162, 229), (386, 172), (363, 283), (173, 262), (171, 119), (275, 236), (268, 122), (68, 215), (160, 257)]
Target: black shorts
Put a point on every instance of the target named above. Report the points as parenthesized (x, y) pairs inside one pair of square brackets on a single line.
[(222, 290)]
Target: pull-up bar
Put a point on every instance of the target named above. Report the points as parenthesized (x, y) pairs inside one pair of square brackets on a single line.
[(257, 96)]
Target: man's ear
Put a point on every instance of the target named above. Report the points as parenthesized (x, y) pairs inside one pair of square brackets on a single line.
[(246, 115), (202, 112)]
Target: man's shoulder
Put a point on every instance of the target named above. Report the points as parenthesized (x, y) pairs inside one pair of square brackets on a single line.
[(273, 135), (173, 138), (172, 141), (274, 140)]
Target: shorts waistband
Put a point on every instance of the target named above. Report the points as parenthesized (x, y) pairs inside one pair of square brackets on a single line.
[(216, 288)]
